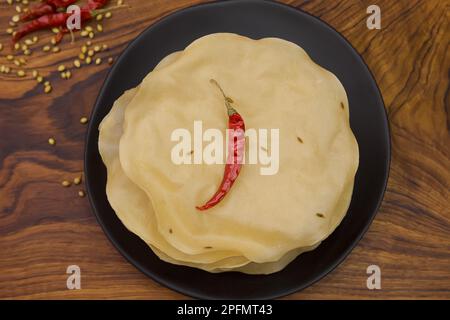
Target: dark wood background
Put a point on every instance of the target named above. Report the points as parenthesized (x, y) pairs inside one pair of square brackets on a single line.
[(45, 227)]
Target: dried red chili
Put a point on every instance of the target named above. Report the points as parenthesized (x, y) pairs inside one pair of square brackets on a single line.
[(47, 7), (236, 149), (37, 11), (96, 4), (91, 5), (54, 20), (43, 22), (60, 3), (59, 19)]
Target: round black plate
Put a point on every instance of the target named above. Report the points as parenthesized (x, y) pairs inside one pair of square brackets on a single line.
[(255, 19)]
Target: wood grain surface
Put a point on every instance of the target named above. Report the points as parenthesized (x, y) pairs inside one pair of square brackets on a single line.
[(45, 227)]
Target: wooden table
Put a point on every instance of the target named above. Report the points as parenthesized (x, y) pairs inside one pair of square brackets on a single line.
[(45, 227)]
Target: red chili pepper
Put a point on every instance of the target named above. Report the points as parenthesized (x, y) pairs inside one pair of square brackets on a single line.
[(43, 22), (47, 7), (236, 149), (87, 13), (60, 3), (37, 11), (53, 20), (96, 4), (60, 35), (59, 19)]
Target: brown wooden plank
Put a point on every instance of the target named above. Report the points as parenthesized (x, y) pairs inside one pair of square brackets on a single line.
[(45, 227)]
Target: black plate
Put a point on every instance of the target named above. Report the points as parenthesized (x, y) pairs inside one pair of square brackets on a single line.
[(255, 19)]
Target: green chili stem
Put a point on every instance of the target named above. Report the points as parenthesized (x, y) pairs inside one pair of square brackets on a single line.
[(228, 100)]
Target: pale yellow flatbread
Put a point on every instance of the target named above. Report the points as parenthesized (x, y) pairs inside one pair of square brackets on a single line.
[(274, 85)]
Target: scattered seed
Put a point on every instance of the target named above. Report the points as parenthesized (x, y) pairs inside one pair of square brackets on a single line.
[(47, 89), (91, 35), (53, 41), (91, 53), (39, 79), (77, 63), (342, 105), (88, 28), (16, 46), (24, 47), (61, 68), (84, 33), (81, 194), (84, 120), (1, 47), (119, 2), (55, 49), (110, 60), (63, 75), (65, 183), (51, 141), (9, 30), (46, 48), (68, 74), (35, 39), (9, 1), (83, 49), (7, 69), (19, 9), (320, 215), (2, 68), (77, 180), (21, 73), (34, 73), (104, 47), (99, 28), (46, 83), (89, 43), (9, 57), (99, 17), (170, 231), (17, 63), (28, 42), (82, 56), (16, 18), (299, 139), (98, 61), (23, 60), (55, 30), (208, 247), (97, 48), (108, 15), (27, 52), (88, 60)]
